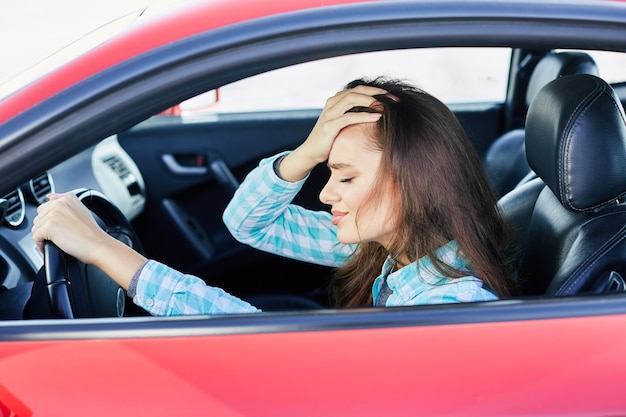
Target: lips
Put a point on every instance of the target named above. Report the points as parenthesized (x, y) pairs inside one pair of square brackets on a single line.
[(337, 216)]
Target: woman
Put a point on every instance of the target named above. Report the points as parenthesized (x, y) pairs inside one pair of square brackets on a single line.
[(408, 197), (413, 219)]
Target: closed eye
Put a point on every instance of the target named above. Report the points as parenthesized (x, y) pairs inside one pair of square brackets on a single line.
[(346, 180)]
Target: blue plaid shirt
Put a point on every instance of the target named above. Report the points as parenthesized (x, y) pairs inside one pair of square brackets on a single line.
[(163, 291), (261, 215)]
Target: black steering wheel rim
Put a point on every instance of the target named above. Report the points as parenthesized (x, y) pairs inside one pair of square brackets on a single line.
[(76, 289)]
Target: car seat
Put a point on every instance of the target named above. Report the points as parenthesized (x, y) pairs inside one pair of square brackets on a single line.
[(571, 219), (505, 160)]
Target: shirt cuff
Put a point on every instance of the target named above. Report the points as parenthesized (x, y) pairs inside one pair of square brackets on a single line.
[(277, 164), (132, 287)]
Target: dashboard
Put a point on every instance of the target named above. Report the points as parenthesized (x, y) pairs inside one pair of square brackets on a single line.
[(105, 167)]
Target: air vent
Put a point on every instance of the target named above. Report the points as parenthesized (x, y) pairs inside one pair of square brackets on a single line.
[(116, 164), (15, 213), (121, 170), (40, 187)]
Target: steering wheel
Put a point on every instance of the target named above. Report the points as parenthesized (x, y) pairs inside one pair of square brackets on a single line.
[(76, 289)]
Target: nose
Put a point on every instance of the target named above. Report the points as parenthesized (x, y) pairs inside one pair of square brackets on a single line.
[(328, 195)]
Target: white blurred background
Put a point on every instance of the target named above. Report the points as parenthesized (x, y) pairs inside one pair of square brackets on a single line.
[(31, 30)]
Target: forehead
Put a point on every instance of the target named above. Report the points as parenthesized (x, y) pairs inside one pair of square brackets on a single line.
[(354, 146)]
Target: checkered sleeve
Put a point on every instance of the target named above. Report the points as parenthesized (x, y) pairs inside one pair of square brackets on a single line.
[(163, 291), (261, 215)]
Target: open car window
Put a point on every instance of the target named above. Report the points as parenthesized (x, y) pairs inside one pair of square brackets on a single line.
[(611, 65), (455, 75)]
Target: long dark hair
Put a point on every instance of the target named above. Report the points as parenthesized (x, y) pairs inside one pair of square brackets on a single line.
[(444, 195)]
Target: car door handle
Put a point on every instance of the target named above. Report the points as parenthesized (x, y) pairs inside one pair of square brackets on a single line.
[(196, 165), (175, 167)]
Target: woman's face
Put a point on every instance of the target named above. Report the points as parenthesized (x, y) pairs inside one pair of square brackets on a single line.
[(353, 170)]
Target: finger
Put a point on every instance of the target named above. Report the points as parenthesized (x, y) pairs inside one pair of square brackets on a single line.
[(38, 236), (368, 90), (353, 118), (333, 128), (359, 96), (357, 101)]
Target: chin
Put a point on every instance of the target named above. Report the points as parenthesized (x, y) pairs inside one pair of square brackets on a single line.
[(347, 240)]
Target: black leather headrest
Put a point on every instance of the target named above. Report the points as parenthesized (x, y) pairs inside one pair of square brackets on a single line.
[(576, 141), (555, 65)]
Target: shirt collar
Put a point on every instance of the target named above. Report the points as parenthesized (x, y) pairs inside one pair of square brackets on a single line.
[(415, 277)]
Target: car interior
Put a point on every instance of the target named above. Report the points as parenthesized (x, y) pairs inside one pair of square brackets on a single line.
[(572, 216), (171, 177), (505, 160)]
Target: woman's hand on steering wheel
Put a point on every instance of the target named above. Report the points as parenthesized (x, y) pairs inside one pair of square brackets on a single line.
[(67, 222)]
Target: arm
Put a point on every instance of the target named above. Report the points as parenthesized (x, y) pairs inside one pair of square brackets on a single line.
[(260, 213), (163, 291), (334, 117), (158, 289), (70, 225)]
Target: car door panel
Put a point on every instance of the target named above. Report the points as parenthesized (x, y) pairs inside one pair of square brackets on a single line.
[(311, 371)]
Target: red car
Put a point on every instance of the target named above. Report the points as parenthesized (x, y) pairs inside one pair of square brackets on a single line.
[(163, 119)]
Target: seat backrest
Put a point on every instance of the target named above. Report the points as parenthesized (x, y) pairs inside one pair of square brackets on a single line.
[(505, 160), (571, 219)]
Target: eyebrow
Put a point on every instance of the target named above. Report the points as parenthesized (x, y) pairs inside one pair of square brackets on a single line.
[(339, 165)]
